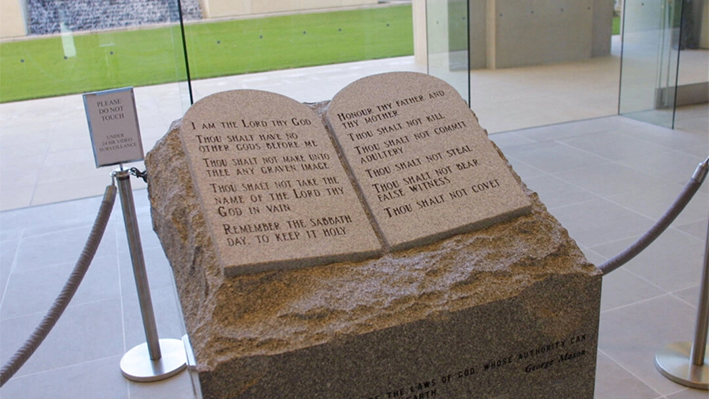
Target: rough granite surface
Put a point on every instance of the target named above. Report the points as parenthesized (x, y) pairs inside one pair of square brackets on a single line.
[(367, 329)]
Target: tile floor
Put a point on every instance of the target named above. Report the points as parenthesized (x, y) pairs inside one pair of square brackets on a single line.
[(606, 179)]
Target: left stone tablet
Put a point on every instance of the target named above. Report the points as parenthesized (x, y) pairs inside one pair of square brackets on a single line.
[(271, 185)]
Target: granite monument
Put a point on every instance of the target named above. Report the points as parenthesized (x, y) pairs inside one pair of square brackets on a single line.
[(480, 293)]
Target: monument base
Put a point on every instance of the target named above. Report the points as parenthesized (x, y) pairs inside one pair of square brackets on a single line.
[(508, 311), (534, 345)]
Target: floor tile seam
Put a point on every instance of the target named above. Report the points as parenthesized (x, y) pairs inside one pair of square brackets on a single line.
[(512, 161), (551, 209), (549, 140), (4, 292), (36, 179), (603, 160), (607, 199), (12, 268), (630, 271), (596, 198), (72, 304), (527, 130), (48, 229), (44, 267), (675, 293), (652, 283), (610, 161), (674, 226), (642, 301), (69, 306), (639, 136), (619, 364), (679, 389), (679, 154), (573, 184), (593, 132), (33, 268), (63, 367), (654, 218), (682, 153), (679, 227)]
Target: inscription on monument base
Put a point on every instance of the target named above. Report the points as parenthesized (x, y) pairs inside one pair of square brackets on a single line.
[(557, 356)]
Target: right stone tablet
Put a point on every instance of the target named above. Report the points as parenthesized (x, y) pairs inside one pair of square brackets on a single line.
[(425, 167)]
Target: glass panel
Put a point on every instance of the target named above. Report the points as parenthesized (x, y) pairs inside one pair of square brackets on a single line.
[(538, 63), (292, 53), (650, 56), (447, 43), (74, 47), (692, 99)]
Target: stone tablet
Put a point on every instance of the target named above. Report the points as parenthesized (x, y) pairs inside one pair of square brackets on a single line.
[(425, 167), (271, 185)]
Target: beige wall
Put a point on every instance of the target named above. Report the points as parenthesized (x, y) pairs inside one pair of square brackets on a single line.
[(512, 33), (603, 11), (539, 31), (230, 8), (12, 18), (419, 21)]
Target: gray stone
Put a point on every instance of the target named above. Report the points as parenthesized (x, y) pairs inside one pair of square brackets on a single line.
[(508, 311)]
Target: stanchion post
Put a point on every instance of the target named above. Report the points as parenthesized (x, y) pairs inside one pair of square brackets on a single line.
[(684, 362), (136, 257), (156, 359), (699, 348)]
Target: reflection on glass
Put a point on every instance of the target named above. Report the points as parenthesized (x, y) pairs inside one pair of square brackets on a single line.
[(250, 44), (74, 51), (70, 48), (447, 43), (650, 57)]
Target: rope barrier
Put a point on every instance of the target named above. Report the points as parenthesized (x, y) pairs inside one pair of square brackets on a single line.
[(68, 291), (677, 206)]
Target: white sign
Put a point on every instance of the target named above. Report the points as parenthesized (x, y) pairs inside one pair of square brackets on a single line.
[(113, 124)]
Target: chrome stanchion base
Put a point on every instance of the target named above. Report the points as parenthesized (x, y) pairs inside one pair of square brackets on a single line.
[(137, 366), (673, 361)]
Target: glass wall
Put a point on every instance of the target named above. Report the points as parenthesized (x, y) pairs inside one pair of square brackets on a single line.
[(73, 47), (447, 43), (650, 60), (693, 72), (541, 62), (293, 53)]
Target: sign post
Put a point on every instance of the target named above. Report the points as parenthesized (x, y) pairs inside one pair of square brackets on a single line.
[(115, 136)]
